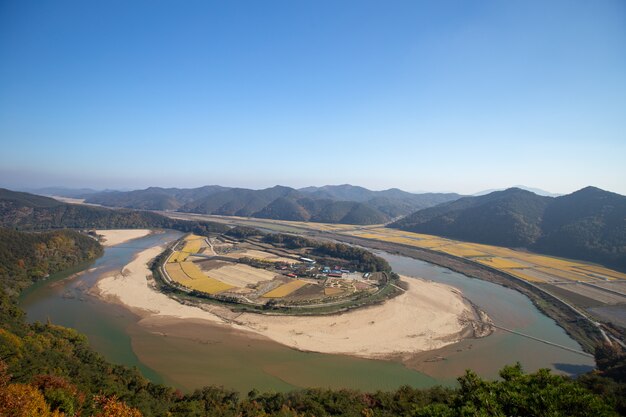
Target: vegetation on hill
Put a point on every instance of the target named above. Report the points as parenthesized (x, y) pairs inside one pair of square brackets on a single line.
[(25, 211), (28, 257), (153, 198), (284, 203), (330, 204), (589, 224)]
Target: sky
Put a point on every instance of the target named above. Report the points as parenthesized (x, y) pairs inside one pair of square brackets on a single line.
[(424, 96)]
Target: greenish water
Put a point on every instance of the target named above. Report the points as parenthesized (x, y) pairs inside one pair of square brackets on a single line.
[(507, 308), (188, 354)]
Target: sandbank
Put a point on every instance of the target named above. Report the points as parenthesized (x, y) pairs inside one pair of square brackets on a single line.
[(117, 236), (427, 316)]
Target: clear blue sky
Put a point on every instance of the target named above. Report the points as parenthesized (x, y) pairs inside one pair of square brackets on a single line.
[(440, 95)]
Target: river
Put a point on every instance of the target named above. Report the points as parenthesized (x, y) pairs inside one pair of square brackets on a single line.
[(191, 354)]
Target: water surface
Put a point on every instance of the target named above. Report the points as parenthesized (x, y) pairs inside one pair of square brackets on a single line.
[(188, 354)]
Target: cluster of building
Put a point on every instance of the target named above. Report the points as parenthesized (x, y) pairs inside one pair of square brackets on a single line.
[(309, 267)]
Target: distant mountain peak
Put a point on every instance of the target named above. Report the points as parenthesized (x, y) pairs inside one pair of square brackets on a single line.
[(533, 190)]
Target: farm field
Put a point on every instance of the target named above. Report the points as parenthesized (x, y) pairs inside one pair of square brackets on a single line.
[(546, 268), (253, 272), (285, 289), (597, 294), (500, 263), (239, 275), (189, 275), (257, 254)]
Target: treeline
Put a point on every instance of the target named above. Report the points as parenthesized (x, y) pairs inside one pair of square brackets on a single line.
[(28, 257), (357, 258), (242, 232)]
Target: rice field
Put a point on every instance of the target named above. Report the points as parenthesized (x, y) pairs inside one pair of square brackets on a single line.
[(189, 275), (209, 285), (461, 250), (285, 289), (500, 263), (193, 244), (176, 274), (178, 257), (601, 272), (525, 276), (528, 266), (192, 270)]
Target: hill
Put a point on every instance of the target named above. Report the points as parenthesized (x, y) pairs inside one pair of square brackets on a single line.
[(32, 212), (535, 190), (28, 257), (589, 224), (331, 204), (153, 198)]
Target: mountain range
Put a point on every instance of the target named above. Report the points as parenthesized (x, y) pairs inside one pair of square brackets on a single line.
[(329, 204), (589, 224), (24, 211)]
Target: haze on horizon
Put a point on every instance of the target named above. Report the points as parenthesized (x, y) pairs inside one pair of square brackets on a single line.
[(440, 96)]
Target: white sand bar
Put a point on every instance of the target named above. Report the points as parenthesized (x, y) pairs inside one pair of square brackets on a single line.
[(115, 237), (427, 316)]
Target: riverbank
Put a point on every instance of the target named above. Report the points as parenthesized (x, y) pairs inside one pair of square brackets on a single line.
[(114, 237), (427, 316), (581, 330)]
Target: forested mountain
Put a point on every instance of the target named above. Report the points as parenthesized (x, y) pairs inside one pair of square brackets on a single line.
[(61, 191), (332, 204), (153, 198), (27, 257), (589, 224), (32, 212)]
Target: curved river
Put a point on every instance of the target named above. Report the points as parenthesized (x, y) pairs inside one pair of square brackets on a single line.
[(191, 354)]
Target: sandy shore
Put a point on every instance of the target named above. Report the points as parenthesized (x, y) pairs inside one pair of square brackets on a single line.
[(427, 316), (115, 237)]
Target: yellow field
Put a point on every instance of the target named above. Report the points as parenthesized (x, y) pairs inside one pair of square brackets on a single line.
[(500, 263), (497, 257), (193, 246), (176, 274), (599, 270), (517, 273), (209, 285), (189, 275), (178, 257), (461, 250), (285, 289), (192, 270), (421, 243)]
